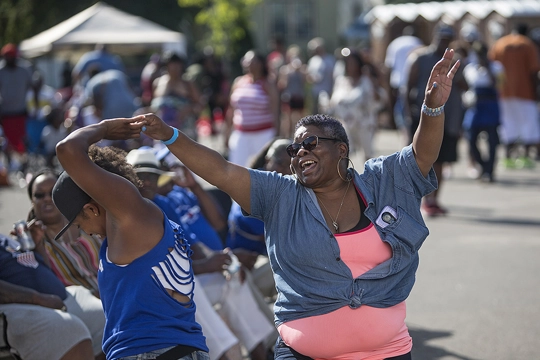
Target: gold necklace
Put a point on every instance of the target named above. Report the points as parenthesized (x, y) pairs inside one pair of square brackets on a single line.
[(334, 222)]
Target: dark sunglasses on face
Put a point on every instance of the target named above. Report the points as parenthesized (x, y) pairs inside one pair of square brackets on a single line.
[(309, 144), (41, 195)]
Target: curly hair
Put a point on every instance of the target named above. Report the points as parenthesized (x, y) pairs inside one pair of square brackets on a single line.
[(330, 126), (113, 160)]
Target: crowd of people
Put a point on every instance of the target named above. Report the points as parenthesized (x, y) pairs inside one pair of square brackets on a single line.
[(196, 95), (128, 213)]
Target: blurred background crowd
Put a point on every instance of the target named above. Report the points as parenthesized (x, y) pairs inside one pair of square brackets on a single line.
[(267, 79)]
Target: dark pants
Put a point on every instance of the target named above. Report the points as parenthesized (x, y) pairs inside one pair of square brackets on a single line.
[(284, 352), (487, 163)]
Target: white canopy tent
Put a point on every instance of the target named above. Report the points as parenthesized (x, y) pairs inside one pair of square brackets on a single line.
[(454, 10), (103, 24)]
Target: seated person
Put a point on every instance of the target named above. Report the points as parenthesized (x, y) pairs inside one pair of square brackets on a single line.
[(247, 232), (74, 256), (46, 320), (238, 305)]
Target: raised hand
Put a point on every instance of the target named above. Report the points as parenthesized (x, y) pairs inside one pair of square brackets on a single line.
[(123, 128), (156, 128), (439, 84)]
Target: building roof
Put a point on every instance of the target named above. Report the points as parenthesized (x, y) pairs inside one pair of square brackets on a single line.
[(453, 9)]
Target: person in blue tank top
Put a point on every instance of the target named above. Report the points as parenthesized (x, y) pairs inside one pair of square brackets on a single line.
[(318, 295), (145, 275)]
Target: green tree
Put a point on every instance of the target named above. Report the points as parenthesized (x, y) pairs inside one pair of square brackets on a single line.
[(16, 19), (411, 1), (224, 24)]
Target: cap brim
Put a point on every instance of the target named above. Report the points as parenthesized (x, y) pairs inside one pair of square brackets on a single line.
[(148, 170), (64, 229), (164, 179), (153, 171), (164, 176)]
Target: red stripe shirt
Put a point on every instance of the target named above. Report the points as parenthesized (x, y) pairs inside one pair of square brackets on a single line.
[(251, 105)]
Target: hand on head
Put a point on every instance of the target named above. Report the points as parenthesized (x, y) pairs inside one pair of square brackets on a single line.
[(439, 84), (123, 128), (131, 128), (155, 127)]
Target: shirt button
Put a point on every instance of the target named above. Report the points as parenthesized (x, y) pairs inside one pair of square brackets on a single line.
[(338, 259)]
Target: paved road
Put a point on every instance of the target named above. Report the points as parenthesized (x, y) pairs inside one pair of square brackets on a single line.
[(477, 294)]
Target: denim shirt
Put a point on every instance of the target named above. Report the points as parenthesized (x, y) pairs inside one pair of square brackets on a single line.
[(310, 276)]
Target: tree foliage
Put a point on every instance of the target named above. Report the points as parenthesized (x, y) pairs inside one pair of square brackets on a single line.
[(16, 20), (225, 21), (412, 1)]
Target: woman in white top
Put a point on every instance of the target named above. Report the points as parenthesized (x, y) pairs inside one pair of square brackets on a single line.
[(356, 100)]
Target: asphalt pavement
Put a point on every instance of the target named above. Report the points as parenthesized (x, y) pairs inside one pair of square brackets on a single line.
[(477, 293)]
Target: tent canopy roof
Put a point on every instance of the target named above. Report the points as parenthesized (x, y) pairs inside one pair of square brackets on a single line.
[(100, 24), (454, 9)]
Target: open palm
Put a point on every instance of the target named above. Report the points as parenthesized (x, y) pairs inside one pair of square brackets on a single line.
[(441, 75)]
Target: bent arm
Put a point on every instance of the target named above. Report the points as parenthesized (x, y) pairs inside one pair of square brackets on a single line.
[(203, 161), (134, 225), (16, 294), (428, 137), (72, 152)]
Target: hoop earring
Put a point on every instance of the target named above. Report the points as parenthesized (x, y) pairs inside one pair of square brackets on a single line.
[(349, 175), (292, 171)]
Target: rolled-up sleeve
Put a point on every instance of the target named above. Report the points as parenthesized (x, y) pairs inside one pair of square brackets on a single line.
[(423, 185), (266, 188)]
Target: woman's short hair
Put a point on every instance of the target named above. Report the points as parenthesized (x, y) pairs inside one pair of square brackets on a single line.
[(278, 148), (46, 172), (330, 126), (270, 149)]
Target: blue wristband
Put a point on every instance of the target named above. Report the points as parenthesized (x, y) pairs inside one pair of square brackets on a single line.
[(172, 139)]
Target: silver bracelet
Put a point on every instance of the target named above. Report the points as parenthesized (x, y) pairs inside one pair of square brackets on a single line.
[(432, 111)]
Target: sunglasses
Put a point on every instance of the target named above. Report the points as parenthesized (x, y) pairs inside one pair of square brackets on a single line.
[(309, 144), (41, 195)]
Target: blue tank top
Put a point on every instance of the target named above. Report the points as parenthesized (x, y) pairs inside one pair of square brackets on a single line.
[(141, 315)]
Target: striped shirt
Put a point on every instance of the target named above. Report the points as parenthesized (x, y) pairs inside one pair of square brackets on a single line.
[(251, 105), (75, 262)]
